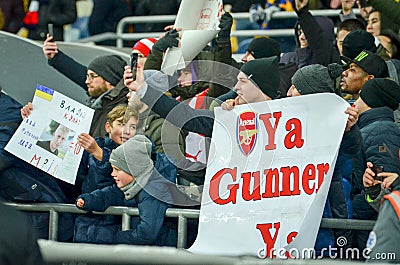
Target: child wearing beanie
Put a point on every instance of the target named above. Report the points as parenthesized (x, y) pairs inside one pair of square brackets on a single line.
[(139, 182)]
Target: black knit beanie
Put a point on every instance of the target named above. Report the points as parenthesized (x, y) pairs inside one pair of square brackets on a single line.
[(357, 41), (264, 73), (316, 78), (109, 67), (264, 47), (381, 92)]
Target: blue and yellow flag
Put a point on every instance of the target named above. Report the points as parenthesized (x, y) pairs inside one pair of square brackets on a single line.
[(44, 92)]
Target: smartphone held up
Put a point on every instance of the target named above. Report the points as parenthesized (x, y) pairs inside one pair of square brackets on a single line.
[(377, 170), (134, 62)]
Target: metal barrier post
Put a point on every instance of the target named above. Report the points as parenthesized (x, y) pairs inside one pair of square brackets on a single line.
[(182, 231), (126, 222), (53, 225)]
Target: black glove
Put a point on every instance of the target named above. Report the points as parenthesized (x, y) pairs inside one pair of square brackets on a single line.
[(169, 40), (225, 25)]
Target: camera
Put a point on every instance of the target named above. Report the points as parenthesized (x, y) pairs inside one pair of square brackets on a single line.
[(134, 60), (377, 170)]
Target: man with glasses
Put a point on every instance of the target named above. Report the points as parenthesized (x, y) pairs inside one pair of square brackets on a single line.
[(102, 79)]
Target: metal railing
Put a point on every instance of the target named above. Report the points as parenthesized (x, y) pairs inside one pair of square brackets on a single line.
[(120, 36), (182, 214)]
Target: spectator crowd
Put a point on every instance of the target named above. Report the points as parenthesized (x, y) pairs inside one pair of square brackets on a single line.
[(149, 139)]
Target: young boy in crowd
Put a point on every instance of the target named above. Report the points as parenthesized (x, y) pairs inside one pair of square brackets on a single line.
[(142, 182), (95, 171)]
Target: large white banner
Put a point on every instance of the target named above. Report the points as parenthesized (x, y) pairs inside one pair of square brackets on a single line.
[(47, 139), (268, 173), (199, 22)]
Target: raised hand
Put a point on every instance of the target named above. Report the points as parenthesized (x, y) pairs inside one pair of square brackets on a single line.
[(133, 85), (300, 4), (49, 47), (225, 26), (169, 40)]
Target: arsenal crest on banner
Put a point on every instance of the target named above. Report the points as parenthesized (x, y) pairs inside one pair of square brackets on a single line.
[(247, 129)]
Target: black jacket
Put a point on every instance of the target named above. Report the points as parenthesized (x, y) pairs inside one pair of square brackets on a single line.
[(56, 12), (77, 73), (321, 39)]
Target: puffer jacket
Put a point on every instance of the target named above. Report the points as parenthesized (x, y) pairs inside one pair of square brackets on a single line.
[(150, 227), (95, 174), (381, 144)]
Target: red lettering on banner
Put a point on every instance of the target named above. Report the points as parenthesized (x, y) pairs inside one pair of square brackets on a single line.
[(270, 130), (287, 172), (271, 174), (294, 137), (255, 195), (267, 238), (289, 240), (311, 179), (322, 171), (232, 188), (308, 175)]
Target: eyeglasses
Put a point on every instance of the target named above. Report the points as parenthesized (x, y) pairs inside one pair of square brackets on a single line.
[(90, 77)]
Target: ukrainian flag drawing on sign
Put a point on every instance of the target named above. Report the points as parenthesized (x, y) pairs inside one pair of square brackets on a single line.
[(44, 92)]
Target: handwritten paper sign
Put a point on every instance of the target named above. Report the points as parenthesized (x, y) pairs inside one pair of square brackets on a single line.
[(47, 139), (268, 174)]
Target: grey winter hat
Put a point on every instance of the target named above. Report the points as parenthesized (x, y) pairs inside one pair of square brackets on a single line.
[(109, 67), (134, 157), (316, 78)]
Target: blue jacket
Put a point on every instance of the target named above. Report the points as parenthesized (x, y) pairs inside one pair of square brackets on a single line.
[(95, 174), (150, 227), (10, 118)]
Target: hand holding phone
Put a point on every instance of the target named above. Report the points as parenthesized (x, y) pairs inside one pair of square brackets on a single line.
[(377, 170), (134, 61), (50, 28)]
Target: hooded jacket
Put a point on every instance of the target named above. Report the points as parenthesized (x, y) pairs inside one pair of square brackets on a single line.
[(321, 38)]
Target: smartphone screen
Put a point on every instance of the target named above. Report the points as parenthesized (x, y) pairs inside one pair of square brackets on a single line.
[(134, 59), (377, 170), (51, 30)]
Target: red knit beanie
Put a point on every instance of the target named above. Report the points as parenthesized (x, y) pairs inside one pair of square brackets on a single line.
[(144, 46)]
